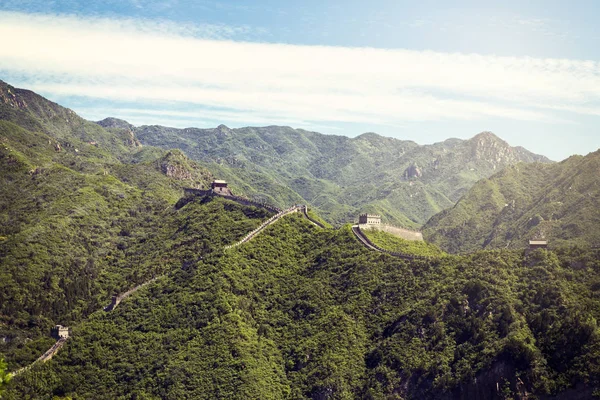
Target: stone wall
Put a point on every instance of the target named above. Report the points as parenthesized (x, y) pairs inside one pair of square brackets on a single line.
[(399, 232), (238, 199), (365, 241)]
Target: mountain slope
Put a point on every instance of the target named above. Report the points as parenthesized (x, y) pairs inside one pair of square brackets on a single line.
[(67, 129), (298, 312), (557, 201), (301, 312), (76, 224), (401, 180)]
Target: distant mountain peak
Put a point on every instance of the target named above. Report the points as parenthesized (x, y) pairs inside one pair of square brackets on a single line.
[(488, 137), (368, 135), (112, 122)]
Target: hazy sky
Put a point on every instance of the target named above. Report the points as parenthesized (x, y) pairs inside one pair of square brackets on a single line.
[(429, 71)]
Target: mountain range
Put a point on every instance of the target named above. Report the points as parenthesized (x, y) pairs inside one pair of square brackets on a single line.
[(91, 210), (341, 177), (557, 202)]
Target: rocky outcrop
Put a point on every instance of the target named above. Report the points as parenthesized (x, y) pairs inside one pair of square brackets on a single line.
[(412, 172), (489, 147), (9, 97), (176, 171), (131, 140)]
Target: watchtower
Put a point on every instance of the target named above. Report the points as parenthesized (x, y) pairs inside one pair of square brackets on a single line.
[(60, 332), (369, 219), (538, 244), (220, 187)]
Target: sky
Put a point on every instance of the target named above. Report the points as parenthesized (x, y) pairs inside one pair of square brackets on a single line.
[(529, 71)]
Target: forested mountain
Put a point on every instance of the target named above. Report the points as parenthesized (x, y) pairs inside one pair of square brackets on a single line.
[(299, 311), (401, 180), (303, 312), (559, 202), (74, 219)]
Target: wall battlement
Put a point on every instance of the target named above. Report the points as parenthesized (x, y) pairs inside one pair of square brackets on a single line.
[(228, 195)]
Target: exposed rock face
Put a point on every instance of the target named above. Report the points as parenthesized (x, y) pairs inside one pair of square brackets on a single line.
[(413, 172), (223, 130), (125, 127), (132, 140), (8, 97), (176, 165), (489, 147), (176, 171)]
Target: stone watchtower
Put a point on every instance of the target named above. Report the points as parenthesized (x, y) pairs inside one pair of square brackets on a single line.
[(60, 332), (369, 219), (220, 187), (538, 244)]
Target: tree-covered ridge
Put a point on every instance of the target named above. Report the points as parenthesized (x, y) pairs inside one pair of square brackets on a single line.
[(298, 312), (302, 312), (559, 202), (77, 226), (341, 177)]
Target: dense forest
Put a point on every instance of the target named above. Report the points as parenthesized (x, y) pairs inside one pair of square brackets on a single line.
[(300, 311), (557, 202)]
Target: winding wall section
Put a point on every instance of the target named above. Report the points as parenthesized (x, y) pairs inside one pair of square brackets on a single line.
[(118, 298), (44, 357), (262, 226), (367, 243)]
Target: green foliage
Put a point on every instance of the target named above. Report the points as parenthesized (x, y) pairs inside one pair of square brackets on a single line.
[(339, 176), (297, 312), (302, 312), (393, 243), (4, 375), (558, 201)]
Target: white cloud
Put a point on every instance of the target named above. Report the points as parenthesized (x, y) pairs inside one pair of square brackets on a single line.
[(140, 60)]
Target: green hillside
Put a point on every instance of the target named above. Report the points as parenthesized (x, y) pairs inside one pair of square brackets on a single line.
[(301, 312), (341, 177), (557, 201), (298, 312), (76, 224)]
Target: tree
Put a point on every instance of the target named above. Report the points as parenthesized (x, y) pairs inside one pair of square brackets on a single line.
[(4, 375)]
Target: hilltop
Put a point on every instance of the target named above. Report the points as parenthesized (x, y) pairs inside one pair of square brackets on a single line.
[(405, 182), (559, 202)]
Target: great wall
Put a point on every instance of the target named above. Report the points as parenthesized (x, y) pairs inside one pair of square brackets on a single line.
[(241, 200), (369, 244), (44, 357), (118, 298)]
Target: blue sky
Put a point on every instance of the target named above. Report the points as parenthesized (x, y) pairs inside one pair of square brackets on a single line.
[(527, 71)]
